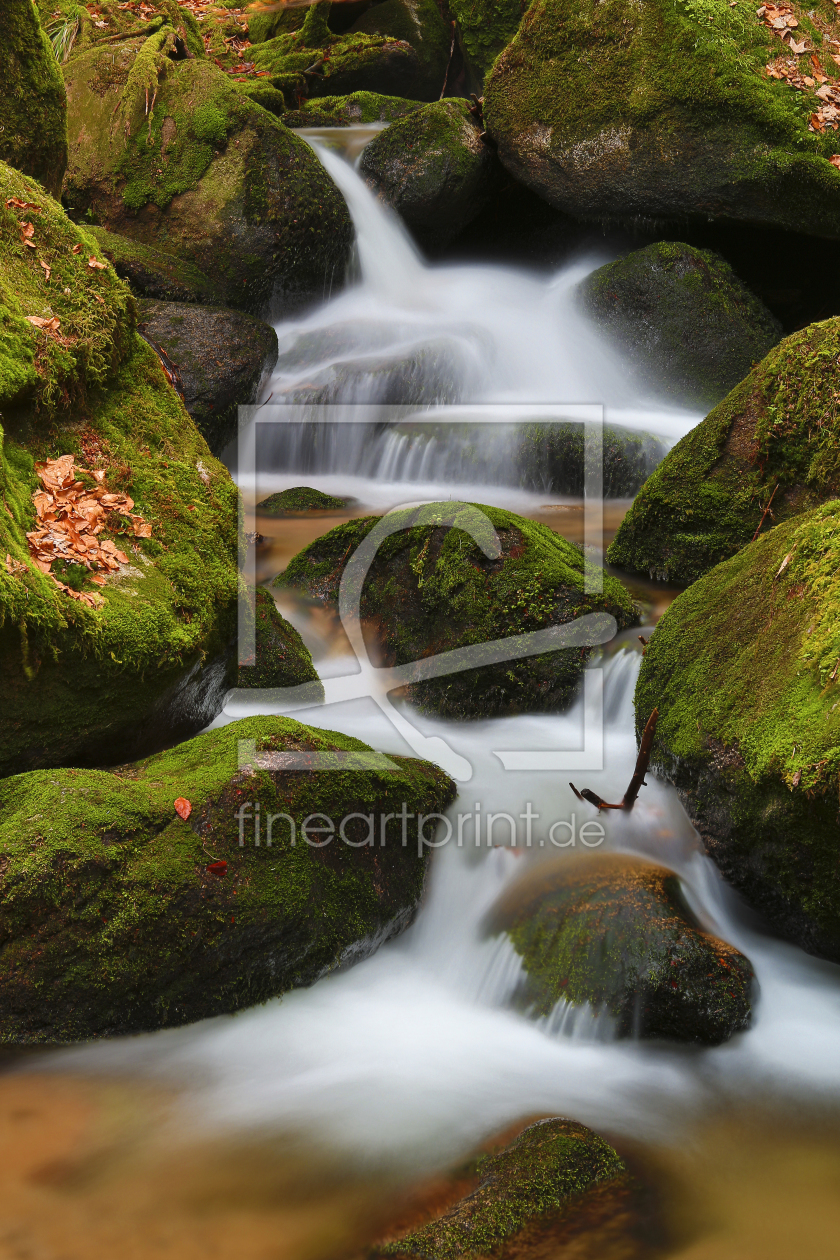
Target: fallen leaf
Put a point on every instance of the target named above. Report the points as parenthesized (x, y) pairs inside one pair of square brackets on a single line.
[(95, 265), (46, 267), (77, 249), (97, 578), (27, 231), (14, 566), (17, 204), (183, 808), (789, 555), (797, 48), (217, 868), (48, 325), (796, 778)]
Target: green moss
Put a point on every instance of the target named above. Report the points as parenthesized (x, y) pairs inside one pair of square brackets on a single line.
[(743, 668), (364, 107), (152, 272), (431, 589), (300, 499), (282, 659), (533, 1182), (681, 85), (265, 26), (485, 27), (33, 110), (776, 435), (420, 24), (109, 907)]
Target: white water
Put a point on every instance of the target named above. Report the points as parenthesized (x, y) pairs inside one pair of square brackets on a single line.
[(410, 1058)]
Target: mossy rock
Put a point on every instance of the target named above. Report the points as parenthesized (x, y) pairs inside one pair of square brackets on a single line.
[(208, 176), (420, 24), (152, 272), (358, 107), (432, 589), (282, 659), (265, 26), (220, 358), (776, 436), (525, 1197), (552, 459), (128, 917), (72, 27), (689, 327), (433, 169), (485, 28), (612, 110), (151, 660), (301, 499), (426, 375), (743, 668), (33, 108), (616, 933)]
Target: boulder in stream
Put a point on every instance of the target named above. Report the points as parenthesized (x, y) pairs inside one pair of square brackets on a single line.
[(433, 588), (684, 322), (33, 108), (344, 111), (433, 168), (299, 499), (281, 658), (620, 110), (616, 933), (420, 24), (768, 452), (144, 897), (745, 670)]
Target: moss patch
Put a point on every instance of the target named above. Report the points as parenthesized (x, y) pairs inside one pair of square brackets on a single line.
[(282, 658), (33, 109), (420, 24), (485, 27), (300, 499), (152, 272)]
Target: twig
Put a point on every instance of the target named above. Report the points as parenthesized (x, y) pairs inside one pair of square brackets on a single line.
[(448, 64), (638, 780), (766, 510)]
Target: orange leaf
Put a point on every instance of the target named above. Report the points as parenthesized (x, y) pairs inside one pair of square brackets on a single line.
[(217, 868), (77, 249), (183, 808), (17, 204), (46, 267), (835, 161), (95, 265)]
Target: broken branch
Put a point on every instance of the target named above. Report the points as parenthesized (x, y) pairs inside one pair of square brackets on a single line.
[(638, 780)]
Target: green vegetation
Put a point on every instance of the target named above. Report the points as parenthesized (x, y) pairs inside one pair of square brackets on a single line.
[(418, 23), (364, 107), (744, 670), (121, 911), (777, 435), (33, 110), (485, 28), (300, 499)]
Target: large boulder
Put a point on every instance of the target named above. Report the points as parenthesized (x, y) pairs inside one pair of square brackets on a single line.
[(33, 108), (432, 588), (744, 670), (206, 174), (281, 658), (112, 639), (685, 323), (433, 168), (299, 499), (152, 272), (614, 110), (145, 897), (418, 23), (220, 357), (772, 442), (616, 933)]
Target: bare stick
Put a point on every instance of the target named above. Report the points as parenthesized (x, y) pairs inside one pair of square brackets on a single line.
[(638, 780), (448, 64), (766, 510)]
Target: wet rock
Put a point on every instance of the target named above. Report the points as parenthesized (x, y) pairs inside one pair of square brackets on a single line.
[(431, 373), (551, 458), (220, 357), (343, 111), (433, 169), (146, 657), (675, 118), (33, 110), (775, 437), (743, 668), (418, 23), (300, 499), (617, 933), (682, 318), (432, 589), (208, 176), (281, 659), (557, 1183), (133, 918), (153, 273)]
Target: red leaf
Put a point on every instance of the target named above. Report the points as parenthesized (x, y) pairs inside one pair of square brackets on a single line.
[(217, 868), (183, 808)]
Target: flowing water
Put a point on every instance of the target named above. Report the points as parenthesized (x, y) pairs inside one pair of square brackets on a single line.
[(402, 1064)]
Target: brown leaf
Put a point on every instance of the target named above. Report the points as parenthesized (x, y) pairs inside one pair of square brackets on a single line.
[(16, 204), (98, 579), (95, 265), (48, 325), (14, 567), (77, 249), (835, 160), (46, 267), (183, 808), (797, 48)]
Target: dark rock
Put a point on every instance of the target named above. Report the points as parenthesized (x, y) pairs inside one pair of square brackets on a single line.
[(433, 169), (418, 23), (282, 659), (743, 668), (33, 109), (220, 357), (300, 499), (429, 374), (153, 273), (485, 28), (131, 918), (686, 324), (774, 437), (616, 932), (551, 459), (342, 111)]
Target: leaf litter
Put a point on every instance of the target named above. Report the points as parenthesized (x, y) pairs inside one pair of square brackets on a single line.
[(782, 21)]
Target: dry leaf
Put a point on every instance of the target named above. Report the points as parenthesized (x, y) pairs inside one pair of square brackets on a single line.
[(797, 48), (183, 808), (95, 265), (77, 249), (17, 204), (835, 160), (46, 267), (48, 325), (14, 566)]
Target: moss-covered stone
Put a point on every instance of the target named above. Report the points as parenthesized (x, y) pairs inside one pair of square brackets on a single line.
[(775, 436), (281, 659), (152, 272), (33, 108), (432, 589), (552, 459), (128, 918), (525, 1195), (485, 28), (420, 24), (150, 660), (683, 319), (207, 175), (616, 932), (265, 26), (358, 107), (300, 499), (433, 169), (744, 670), (219, 357), (611, 109)]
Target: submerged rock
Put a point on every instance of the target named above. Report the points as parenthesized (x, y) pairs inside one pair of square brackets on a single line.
[(220, 358), (526, 1197), (773, 441), (433, 169), (432, 589), (152, 272), (616, 110), (281, 659), (33, 109), (684, 321), (300, 499), (616, 933), (132, 917), (744, 670), (111, 663), (208, 175)]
